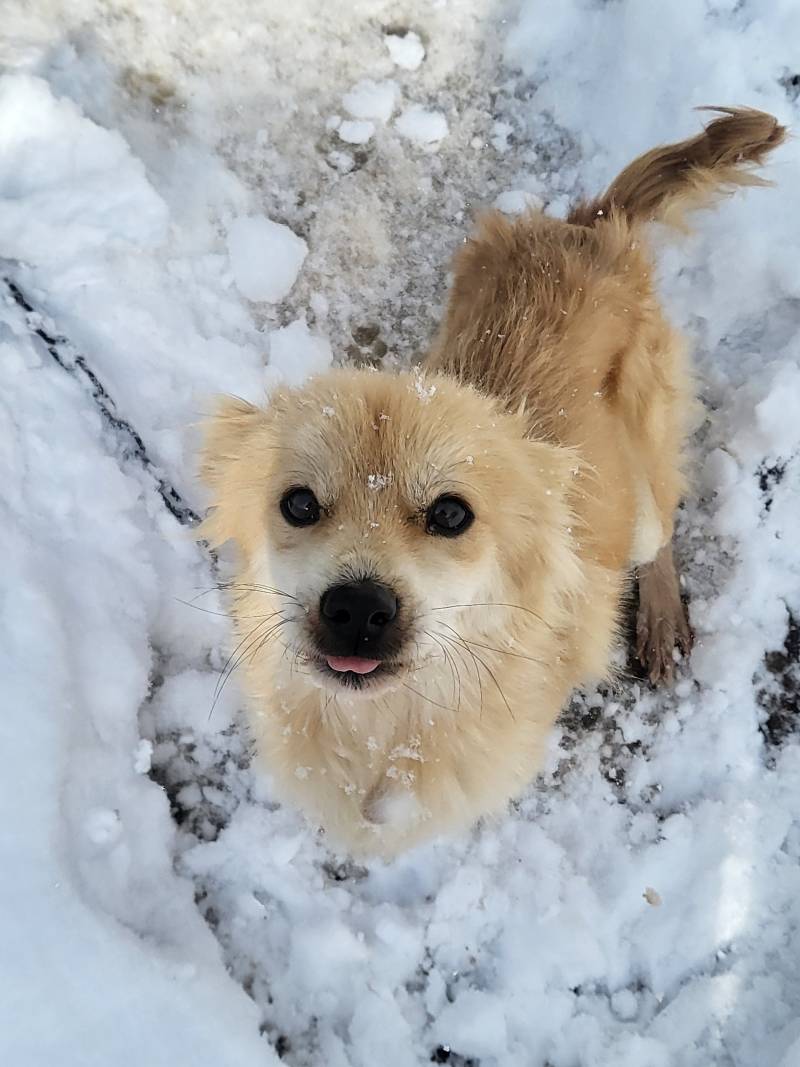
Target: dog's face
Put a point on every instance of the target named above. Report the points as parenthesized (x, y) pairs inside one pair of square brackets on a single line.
[(388, 514)]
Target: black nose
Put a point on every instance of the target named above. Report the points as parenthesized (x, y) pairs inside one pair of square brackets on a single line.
[(358, 613)]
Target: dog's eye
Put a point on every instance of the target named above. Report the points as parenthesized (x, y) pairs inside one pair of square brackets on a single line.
[(300, 507), (448, 516)]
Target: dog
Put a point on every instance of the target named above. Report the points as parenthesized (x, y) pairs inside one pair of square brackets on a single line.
[(428, 563)]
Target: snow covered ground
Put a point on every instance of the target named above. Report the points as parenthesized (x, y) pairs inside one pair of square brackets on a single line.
[(208, 198)]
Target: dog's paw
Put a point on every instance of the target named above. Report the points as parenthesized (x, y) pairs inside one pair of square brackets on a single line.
[(661, 627), (661, 622)]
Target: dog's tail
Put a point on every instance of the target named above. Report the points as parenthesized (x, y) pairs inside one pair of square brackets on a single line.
[(666, 183)]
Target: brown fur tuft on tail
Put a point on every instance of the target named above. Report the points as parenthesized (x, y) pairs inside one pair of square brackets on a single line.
[(666, 183)]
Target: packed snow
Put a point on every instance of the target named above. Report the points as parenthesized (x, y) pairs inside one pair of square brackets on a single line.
[(372, 100), (295, 353), (406, 49), (423, 126), (517, 201), (354, 132), (182, 215), (265, 257)]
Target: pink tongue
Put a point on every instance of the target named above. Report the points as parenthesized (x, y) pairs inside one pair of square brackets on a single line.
[(352, 663)]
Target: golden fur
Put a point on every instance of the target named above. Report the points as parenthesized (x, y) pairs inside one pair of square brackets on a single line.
[(555, 401)]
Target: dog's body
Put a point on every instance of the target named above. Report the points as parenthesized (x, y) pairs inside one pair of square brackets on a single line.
[(473, 527)]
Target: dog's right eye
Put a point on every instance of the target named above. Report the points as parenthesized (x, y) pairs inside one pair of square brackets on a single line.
[(300, 507), (448, 516)]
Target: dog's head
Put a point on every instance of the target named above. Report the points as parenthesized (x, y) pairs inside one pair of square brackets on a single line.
[(386, 514)]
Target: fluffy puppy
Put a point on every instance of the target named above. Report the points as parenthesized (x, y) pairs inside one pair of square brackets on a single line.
[(428, 563)]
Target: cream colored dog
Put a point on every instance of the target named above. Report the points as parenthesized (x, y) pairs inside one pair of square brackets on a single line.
[(429, 563)]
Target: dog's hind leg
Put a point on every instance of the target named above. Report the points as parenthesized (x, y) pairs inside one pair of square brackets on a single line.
[(661, 622), (659, 427)]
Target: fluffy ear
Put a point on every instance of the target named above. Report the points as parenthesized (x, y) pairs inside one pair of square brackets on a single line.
[(226, 437)]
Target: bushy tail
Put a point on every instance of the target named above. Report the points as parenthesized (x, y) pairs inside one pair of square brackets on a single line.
[(666, 183)]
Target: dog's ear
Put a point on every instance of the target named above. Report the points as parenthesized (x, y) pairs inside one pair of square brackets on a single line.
[(228, 435), (225, 437)]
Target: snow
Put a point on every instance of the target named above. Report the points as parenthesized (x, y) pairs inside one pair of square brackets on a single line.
[(516, 201), (67, 182), (266, 257), (475, 1024), (295, 353), (640, 905), (407, 50), (372, 100), (105, 959), (420, 125), (354, 132)]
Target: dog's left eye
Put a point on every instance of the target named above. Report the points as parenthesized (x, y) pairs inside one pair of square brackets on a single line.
[(300, 507), (448, 516)]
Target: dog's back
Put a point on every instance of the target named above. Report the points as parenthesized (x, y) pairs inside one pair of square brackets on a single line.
[(560, 316)]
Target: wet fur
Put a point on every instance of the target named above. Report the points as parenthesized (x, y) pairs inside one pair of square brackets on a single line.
[(556, 399)]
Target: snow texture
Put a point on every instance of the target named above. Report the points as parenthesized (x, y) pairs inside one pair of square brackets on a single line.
[(178, 204)]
